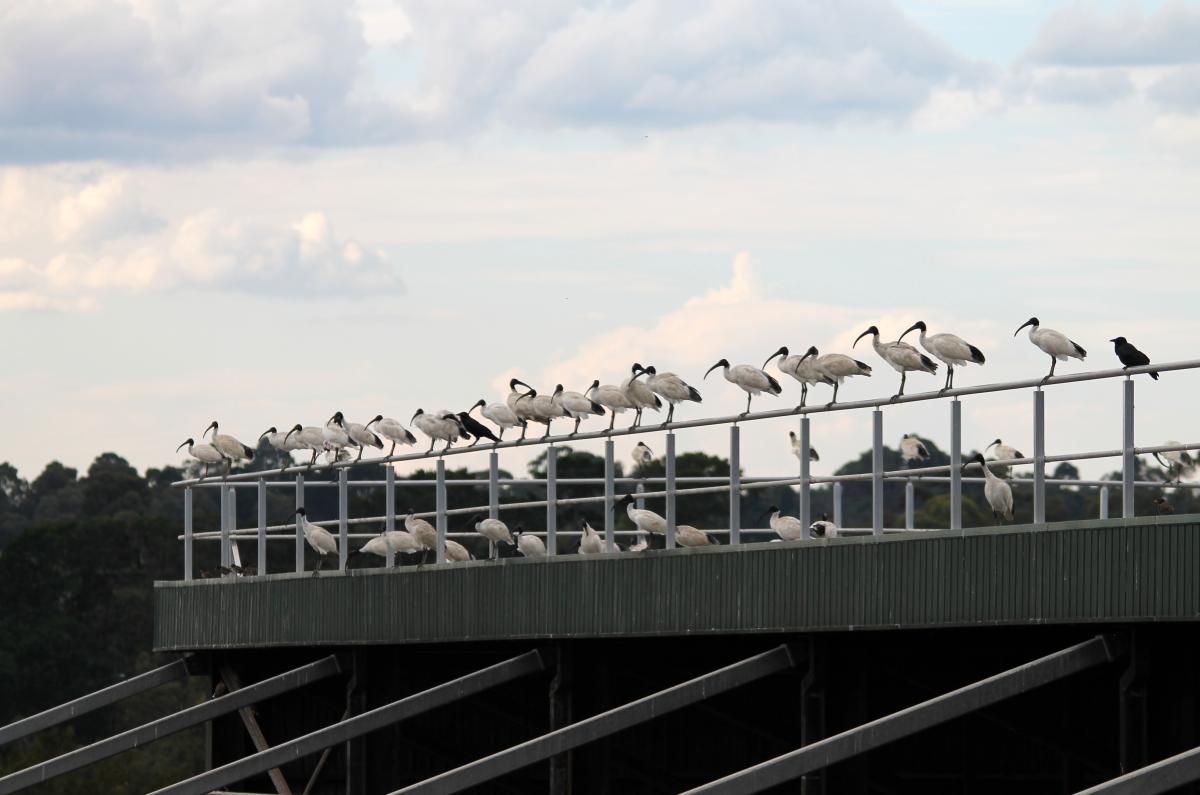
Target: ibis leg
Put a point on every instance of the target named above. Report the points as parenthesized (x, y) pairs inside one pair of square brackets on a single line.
[(835, 389), (749, 397)]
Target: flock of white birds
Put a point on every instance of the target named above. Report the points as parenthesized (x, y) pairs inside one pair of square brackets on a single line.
[(645, 388)]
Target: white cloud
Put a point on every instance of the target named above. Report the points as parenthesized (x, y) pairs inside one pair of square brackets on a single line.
[(104, 210), (1080, 35)]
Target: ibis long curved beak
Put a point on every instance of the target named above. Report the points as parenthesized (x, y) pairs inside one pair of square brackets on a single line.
[(859, 337), (990, 446), (186, 442), (522, 383), (913, 327), (418, 414), (1023, 325), (714, 367), (209, 428), (264, 433), (781, 352), (289, 434)]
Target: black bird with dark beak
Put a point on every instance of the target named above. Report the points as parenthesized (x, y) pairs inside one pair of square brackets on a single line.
[(474, 427), (1130, 356)]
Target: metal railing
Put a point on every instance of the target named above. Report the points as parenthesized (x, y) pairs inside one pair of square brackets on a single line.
[(734, 484)]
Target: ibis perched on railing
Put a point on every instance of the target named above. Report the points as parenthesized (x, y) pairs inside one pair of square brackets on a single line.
[(669, 387), (903, 357), (204, 452), (750, 379), (393, 431), (233, 450), (576, 406), (802, 367), (443, 426), (952, 350), (837, 367), (1058, 346), (640, 395), (613, 398)]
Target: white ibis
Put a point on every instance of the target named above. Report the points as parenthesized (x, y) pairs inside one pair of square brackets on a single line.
[(642, 455), (644, 519), (953, 351), (912, 449), (541, 408), (1004, 451), (499, 413), (281, 441), (788, 528), (639, 394), (576, 406), (998, 493), (797, 449), (529, 545), (1130, 356), (1179, 460), (1058, 346), (438, 427), (393, 431), (456, 552), (362, 437), (838, 367), (803, 368), (823, 528), (669, 387), (423, 531), (522, 409), (688, 536), (398, 542), (493, 530), (591, 542), (320, 539), (612, 398), (204, 452), (309, 437), (232, 449), (750, 379), (475, 428), (336, 435), (903, 357)]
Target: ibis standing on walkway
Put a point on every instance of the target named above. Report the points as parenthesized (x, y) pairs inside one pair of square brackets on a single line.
[(493, 530), (591, 542), (837, 367), (398, 542), (641, 396), (788, 528), (823, 528), (204, 452), (1130, 356), (320, 539), (903, 357), (952, 350), (232, 449), (529, 545), (998, 493), (801, 367), (750, 379), (669, 387), (393, 431), (1058, 346), (643, 519), (423, 531)]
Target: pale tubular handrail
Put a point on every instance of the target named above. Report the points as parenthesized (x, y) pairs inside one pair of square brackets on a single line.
[(913, 473), (1037, 383)]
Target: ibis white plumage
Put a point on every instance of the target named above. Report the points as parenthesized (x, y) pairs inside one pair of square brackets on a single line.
[(320, 539), (998, 493), (669, 387), (953, 351), (336, 435), (493, 530), (797, 450), (838, 367), (423, 531), (522, 409), (394, 541), (308, 437), (1004, 452), (902, 357), (499, 413), (204, 452), (576, 405), (591, 542), (823, 528), (644, 519), (529, 545), (788, 528), (688, 536), (393, 431), (282, 441), (442, 426), (1058, 346), (802, 367), (912, 449), (1179, 460), (750, 379), (612, 398), (229, 447), (542, 408), (362, 437), (639, 394), (642, 455)]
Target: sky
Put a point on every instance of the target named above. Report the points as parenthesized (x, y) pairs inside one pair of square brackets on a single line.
[(264, 211)]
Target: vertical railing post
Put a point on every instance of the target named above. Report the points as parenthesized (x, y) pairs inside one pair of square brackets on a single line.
[(909, 495), (805, 475), (551, 500), (877, 472), (493, 495), (1039, 457), (226, 522), (837, 503), (1104, 502), (261, 563), (640, 501), (299, 531), (955, 468), (1128, 459), (610, 540), (389, 509), (187, 533), (669, 488), (735, 484), (440, 508), (343, 517)]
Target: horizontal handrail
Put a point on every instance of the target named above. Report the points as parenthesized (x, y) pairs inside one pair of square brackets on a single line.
[(727, 420)]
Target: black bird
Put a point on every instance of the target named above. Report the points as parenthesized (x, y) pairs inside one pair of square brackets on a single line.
[(475, 428), (1163, 506), (1129, 355)]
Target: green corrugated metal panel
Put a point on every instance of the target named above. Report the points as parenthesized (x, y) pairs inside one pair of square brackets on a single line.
[(1094, 571)]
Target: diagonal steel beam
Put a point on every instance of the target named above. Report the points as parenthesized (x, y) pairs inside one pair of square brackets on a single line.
[(1162, 776), (378, 718), (93, 701), (916, 718), (605, 724), (171, 724)]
